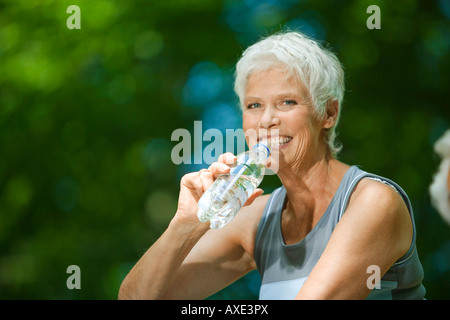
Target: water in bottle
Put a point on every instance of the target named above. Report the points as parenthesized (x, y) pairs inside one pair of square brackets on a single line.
[(223, 199)]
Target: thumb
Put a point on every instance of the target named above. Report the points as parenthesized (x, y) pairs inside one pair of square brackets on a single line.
[(253, 196)]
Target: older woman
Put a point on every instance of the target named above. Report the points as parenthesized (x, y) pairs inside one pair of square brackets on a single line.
[(324, 234)]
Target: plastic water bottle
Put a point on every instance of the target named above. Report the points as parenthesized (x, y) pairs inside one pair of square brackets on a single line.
[(223, 199)]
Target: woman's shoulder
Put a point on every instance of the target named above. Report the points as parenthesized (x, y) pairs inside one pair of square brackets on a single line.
[(378, 206), (375, 193)]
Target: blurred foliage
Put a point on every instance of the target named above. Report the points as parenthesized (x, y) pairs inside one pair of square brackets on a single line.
[(86, 118)]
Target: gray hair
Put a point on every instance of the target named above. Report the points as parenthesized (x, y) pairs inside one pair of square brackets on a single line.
[(317, 67)]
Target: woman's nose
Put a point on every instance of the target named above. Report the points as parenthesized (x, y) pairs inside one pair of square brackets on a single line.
[(269, 118)]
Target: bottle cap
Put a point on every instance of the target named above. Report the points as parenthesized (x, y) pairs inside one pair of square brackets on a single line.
[(263, 144)]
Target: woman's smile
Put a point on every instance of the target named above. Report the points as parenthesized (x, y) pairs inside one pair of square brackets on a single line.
[(276, 142)]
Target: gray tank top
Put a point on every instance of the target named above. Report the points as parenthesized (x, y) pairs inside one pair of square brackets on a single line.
[(284, 268)]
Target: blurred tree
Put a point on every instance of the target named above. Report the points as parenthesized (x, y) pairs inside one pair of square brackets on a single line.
[(86, 117)]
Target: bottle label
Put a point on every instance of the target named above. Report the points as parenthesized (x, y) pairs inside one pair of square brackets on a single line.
[(241, 169)]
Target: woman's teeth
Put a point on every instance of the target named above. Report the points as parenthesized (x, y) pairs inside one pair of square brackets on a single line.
[(277, 141)]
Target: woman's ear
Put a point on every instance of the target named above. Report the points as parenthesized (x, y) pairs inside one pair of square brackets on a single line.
[(331, 114)]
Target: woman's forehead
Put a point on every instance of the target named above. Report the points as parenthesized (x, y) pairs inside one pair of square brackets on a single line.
[(274, 81)]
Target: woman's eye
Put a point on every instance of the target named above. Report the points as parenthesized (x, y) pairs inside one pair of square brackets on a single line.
[(289, 102), (254, 106)]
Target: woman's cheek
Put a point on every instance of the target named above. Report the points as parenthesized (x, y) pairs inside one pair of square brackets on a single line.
[(250, 127)]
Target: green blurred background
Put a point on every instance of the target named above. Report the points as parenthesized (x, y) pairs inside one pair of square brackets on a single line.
[(86, 118)]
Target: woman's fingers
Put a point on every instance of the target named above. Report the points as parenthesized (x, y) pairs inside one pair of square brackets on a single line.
[(198, 182), (221, 166), (217, 168), (207, 178), (227, 158), (190, 182), (253, 196)]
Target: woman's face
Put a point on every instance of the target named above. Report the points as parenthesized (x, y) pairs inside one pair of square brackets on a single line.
[(275, 108)]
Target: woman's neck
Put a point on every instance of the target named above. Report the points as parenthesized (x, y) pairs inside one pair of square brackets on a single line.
[(310, 187)]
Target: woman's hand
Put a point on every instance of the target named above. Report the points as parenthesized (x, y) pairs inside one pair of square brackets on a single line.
[(193, 186)]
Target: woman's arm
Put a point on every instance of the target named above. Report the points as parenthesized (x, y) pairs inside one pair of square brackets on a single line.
[(219, 258), (190, 261), (376, 229)]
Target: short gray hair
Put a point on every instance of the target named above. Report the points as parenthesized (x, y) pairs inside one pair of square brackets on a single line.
[(317, 67)]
